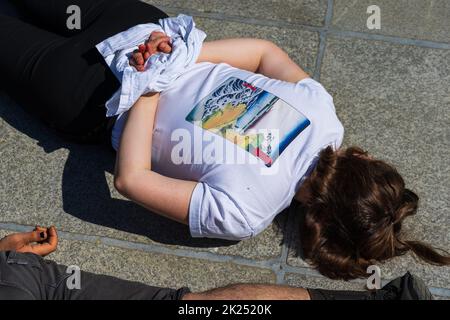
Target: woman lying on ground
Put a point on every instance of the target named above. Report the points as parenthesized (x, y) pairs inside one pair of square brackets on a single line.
[(228, 146)]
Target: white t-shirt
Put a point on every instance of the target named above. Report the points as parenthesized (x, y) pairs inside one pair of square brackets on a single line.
[(247, 139)]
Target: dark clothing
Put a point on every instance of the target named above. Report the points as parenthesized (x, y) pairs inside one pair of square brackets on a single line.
[(407, 287), (25, 276), (57, 73)]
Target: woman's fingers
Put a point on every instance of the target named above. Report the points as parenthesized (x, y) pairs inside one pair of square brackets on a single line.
[(165, 47), (138, 57), (151, 49), (161, 44), (138, 67), (156, 34), (137, 60), (157, 42)]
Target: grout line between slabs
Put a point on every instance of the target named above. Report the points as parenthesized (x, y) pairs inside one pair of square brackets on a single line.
[(153, 248), (323, 40), (320, 29), (268, 264)]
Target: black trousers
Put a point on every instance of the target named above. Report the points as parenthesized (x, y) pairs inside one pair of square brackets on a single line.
[(57, 73), (29, 277)]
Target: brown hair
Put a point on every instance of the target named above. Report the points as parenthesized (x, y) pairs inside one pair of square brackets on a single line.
[(354, 215)]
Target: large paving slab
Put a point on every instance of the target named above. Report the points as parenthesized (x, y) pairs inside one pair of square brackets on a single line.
[(153, 268), (393, 101), (307, 12), (416, 19), (307, 281)]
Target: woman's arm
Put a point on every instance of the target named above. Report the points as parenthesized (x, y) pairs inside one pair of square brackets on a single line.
[(134, 177), (255, 55)]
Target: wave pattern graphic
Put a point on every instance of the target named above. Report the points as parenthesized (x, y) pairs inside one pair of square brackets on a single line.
[(234, 91)]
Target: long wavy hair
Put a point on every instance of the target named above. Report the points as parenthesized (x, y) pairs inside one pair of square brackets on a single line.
[(354, 215)]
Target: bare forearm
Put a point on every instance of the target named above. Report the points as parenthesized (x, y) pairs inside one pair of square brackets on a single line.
[(276, 63), (134, 177), (251, 292), (255, 55), (240, 53), (136, 141)]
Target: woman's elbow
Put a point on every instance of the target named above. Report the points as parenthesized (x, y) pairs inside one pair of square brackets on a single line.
[(123, 184)]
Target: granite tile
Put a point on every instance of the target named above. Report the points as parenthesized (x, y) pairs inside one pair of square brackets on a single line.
[(415, 19), (308, 12)]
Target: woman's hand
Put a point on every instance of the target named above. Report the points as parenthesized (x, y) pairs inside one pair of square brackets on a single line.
[(157, 42), (40, 241)]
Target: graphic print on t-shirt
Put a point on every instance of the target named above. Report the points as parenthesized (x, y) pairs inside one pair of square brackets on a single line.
[(252, 118)]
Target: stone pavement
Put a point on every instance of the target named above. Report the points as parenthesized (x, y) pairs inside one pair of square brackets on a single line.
[(392, 92)]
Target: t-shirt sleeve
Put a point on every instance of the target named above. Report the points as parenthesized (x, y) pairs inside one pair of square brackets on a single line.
[(213, 214), (332, 132)]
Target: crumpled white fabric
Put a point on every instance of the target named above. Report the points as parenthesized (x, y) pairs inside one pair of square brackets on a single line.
[(160, 70)]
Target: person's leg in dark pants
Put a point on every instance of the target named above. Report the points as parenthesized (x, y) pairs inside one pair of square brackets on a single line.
[(28, 276), (52, 15), (26, 48)]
